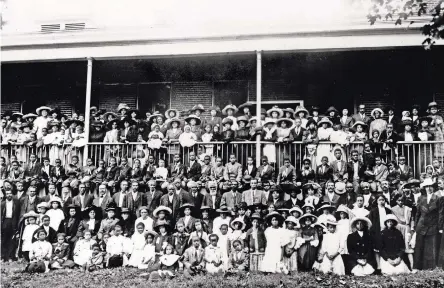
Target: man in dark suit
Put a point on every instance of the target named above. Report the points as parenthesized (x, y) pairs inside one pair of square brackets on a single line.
[(10, 215), (83, 199), (20, 190), (103, 200), (389, 136), (172, 201), (324, 172), (361, 116), (149, 169), (250, 169), (391, 118), (152, 196), (332, 192), (134, 199), (29, 202), (339, 167), (405, 171), (127, 133), (298, 131), (124, 170), (119, 197), (33, 171), (287, 173), (213, 198), (46, 171), (177, 169), (355, 169), (194, 171), (58, 174), (265, 172), (196, 197)]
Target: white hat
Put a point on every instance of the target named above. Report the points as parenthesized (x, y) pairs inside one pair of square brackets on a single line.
[(378, 110), (427, 182)]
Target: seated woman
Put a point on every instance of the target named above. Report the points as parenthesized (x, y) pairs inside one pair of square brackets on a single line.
[(360, 247)]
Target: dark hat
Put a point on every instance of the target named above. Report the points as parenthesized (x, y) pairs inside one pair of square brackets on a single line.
[(315, 108), (311, 121), (134, 111), (124, 210), (186, 205), (192, 116), (227, 120), (164, 223), (70, 121), (331, 109), (223, 209), (127, 119), (275, 214), (97, 124), (111, 206), (389, 107), (425, 118), (198, 107), (109, 125), (246, 104)]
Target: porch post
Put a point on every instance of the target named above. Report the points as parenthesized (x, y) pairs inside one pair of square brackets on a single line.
[(258, 103), (87, 105)]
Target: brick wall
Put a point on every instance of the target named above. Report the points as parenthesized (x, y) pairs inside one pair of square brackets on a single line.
[(112, 95), (11, 106), (274, 90), (187, 94)]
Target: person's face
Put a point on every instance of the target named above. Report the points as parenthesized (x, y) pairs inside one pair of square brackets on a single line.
[(187, 211), (338, 154), (72, 212), (307, 221), (198, 226), (306, 165), (331, 228), (171, 189), (14, 166), (42, 235), (385, 185), (253, 184), (232, 159), (359, 128), (360, 202), (274, 222), (19, 186), (32, 157), (330, 187), (344, 112), (433, 110), (9, 195), (435, 163), (441, 184), (75, 160), (241, 211), (401, 160), (125, 216), (375, 134), (287, 163), (135, 186), (242, 124), (92, 214), (55, 205), (117, 231), (429, 189), (233, 185), (31, 220), (355, 156), (378, 161), (82, 189), (152, 185), (180, 227), (284, 124), (390, 223), (192, 156), (32, 191), (349, 187), (46, 221), (140, 229), (399, 202), (61, 239), (124, 186), (290, 225), (389, 128), (149, 239), (124, 161), (275, 194), (207, 160), (381, 201)]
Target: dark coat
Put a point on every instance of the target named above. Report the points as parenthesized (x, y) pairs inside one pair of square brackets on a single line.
[(253, 172), (15, 212), (70, 230), (153, 201), (250, 243), (375, 230), (134, 205), (51, 237), (26, 206), (268, 175), (324, 176), (194, 172), (297, 136), (359, 247), (427, 216)]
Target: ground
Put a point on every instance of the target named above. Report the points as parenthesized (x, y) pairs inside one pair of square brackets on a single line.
[(12, 275)]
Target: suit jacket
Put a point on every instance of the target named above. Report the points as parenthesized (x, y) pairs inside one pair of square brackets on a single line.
[(35, 171), (233, 172), (351, 169), (116, 199), (45, 175), (149, 170), (306, 175), (70, 230), (124, 173), (178, 171), (193, 257), (61, 251), (88, 201), (359, 247), (153, 200), (348, 121), (131, 136), (339, 174), (26, 206), (197, 201), (60, 175), (230, 200), (250, 241), (239, 260), (405, 173), (206, 171), (208, 201), (84, 226), (286, 174), (381, 172), (105, 202), (297, 136), (189, 227), (265, 175), (324, 175), (174, 205), (395, 121), (253, 172), (51, 237), (289, 203), (357, 117), (112, 173), (15, 212), (259, 197), (334, 201), (427, 216), (194, 172), (278, 205), (134, 204), (393, 137)]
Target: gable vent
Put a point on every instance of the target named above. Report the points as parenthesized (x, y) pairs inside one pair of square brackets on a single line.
[(74, 26), (48, 28)]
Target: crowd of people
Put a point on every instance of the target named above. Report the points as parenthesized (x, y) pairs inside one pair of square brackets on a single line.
[(169, 131), (361, 216)]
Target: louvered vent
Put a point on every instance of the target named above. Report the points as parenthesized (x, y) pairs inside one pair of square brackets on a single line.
[(74, 26), (49, 28)]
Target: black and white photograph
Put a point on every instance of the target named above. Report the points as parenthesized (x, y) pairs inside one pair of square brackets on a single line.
[(203, 143)]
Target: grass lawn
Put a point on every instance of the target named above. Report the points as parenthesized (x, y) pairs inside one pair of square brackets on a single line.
[(12, 275)]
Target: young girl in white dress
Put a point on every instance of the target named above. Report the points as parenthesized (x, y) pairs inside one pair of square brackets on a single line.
[(343, 228), (28, 232), (161, 172), (329, 257), (149, 251), (55, 213), (83, 249), (277, 237), (138, 244)]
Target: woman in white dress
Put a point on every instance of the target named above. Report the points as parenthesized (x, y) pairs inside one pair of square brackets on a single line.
[(41, 121), (277, 237), (324, 147), (138, 243), (55, 213)]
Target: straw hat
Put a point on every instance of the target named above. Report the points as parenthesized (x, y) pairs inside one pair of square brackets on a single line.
[(246, 104), (153, 233), (109, 125), (269, 121), (297, 209), (242, 118), (111, 207), (198, 107), (230, 106), (161, 208), (331, 109), (391, 217), (287, 120), (325, 120), (164, 223), (377, 110), (331, 221), (343, 208), (256, 216), (293, 220), (274, 214), (237, 220), (185, 205), (15, 115), (56, 199), (172, 120), (167, 113), (427, 182), (123, 106), (42, 205), (31, 214), (215, 108), (30, 115), (289, 110), (412, 183), (308, 205), (365, 219), (359, 123), (227, 120), (110, 113), (340, 188), (313, 218), (300, 109), (326, 206), (223, 209), (41, 108), (155, 115), (276, 109)]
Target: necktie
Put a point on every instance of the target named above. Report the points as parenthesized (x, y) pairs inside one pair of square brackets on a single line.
[(196, 256)]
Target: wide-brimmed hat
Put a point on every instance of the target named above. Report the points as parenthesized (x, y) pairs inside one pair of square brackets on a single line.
[(269, 216), (313, 185), (198, 107), (125, 210), (269, 121), (256, 216), (229, 106), (30, 115), (123, 106), (391, 217), (246, 104), (56, 199), (378, 110), (242, 118), (167, 113), (428, 182), (342, 208), (326, 206), (86, 211), (412, 183), (161, 208), (227, 120), (142, 208), (311, 121), (358, 218), (185, 205), (308, 205), (192, 116), (70, 121), (325, 120), (432, 104), (138, 114), (152, 233), (54, 122), (238, 220), (155, 115), (331, 109), (297, 209), (293, 220), (173, 120), (215, 108), (331, 221), (43, 205), (300, 109), (340, 188), (110, 113), (15, 115), (315, 108), (223, 209), (408, 121), (96, 124), (425, 118), (109, 125), (111, 207), (287, 120), (41, 108), (276, 109), (205, 207), (359, 123), (127, 119), (164, 223), (31, 214), (308, 215), (289, 110), (246, 179)]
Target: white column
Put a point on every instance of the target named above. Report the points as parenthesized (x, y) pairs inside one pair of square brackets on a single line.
[(258, 103), (88, 105)]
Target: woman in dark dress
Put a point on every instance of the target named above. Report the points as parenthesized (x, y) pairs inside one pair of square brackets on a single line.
[(127, 222), (309, 250), (70, 225), (90, 221)]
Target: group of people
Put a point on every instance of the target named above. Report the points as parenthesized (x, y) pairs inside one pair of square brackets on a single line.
[(357, 217), (173, 129)]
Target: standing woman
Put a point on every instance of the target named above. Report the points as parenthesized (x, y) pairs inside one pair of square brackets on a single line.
[(172, 136), (437, 128), (41, 121), (378, 123), (70, 225), (427, 230)]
